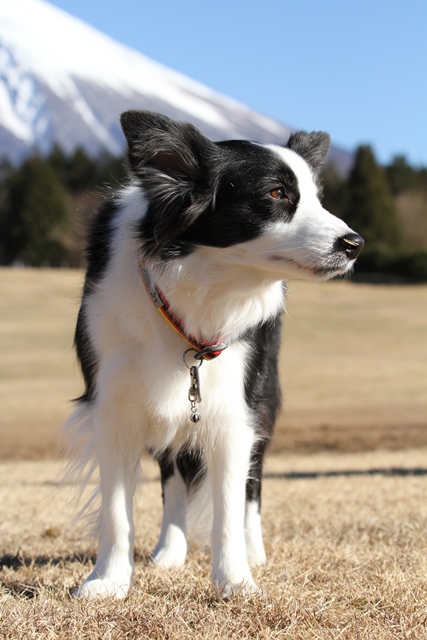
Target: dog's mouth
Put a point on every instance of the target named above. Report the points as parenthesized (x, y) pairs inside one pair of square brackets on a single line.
[(334, 266)]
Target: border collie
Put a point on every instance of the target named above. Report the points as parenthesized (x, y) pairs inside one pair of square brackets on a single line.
[(179, 331)]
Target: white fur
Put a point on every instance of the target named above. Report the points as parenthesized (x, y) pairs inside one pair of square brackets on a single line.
[(171, 549), (253, 533), (142, 384)]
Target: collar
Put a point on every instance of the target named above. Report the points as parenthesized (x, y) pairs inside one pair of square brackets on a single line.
[(205, 350)]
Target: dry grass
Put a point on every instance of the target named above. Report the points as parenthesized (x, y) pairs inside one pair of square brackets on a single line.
[(412, 211), (38, 375), (346, 560), (354, 367), (354, 364)]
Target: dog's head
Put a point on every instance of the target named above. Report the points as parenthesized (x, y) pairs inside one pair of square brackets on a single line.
[(258, 203)]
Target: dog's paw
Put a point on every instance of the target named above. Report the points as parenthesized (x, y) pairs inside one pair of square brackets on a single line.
[(168, 558), (233, 583), (171, 549), (96, 588), (228, 589)]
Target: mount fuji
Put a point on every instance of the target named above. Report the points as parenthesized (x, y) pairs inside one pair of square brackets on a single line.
[(62, 81)]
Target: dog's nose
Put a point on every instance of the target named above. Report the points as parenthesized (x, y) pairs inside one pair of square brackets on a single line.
[(352, 244)]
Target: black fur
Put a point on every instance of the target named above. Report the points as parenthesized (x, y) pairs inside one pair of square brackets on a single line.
[(263, 396), (98, 254)]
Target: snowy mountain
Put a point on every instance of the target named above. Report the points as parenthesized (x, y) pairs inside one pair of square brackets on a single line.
[(62, 81)]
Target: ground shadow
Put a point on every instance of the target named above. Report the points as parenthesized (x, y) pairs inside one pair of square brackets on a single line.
[(30, 590), (303, 475), (15, 562), (18, 561)]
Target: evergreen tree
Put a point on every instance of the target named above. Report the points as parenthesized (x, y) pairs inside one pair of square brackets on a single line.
[(401, 176), (80, 172), (35, 216), (369, 208), (77, 171)]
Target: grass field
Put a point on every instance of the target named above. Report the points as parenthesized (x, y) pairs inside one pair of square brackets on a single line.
[(346, 559), (345, 493)]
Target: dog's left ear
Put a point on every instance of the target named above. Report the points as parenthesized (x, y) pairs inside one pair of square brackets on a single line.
[(313, 147)]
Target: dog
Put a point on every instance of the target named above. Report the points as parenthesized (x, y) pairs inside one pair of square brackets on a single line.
[(178, 335)]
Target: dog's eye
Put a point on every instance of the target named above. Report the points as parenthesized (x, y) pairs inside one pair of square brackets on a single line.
[(278, 193)]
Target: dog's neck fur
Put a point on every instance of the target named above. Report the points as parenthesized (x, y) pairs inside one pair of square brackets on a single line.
[(216, 301)]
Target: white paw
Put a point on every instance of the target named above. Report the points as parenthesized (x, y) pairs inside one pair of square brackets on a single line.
[(229, 588), (171, 549), (94, 588), (167, 558), (230, 582)]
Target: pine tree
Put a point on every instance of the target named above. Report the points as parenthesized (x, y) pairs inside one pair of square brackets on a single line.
[(401, 176), (369, 208), (35, 214)]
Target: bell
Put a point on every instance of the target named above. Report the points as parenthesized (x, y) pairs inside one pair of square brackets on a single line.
[(195, 417)]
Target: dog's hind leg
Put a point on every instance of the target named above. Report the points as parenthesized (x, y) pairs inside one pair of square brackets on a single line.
[(171, 548)]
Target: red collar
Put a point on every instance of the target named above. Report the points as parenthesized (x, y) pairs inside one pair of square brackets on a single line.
[(205, 350)]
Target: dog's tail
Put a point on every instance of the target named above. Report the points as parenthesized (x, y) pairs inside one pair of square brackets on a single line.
[(80, 470)]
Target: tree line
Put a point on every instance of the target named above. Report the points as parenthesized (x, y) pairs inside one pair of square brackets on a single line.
[(46, 202), (388, 207)]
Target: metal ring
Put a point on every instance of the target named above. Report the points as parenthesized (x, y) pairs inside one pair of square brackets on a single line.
[(208, 350), (185, 359)]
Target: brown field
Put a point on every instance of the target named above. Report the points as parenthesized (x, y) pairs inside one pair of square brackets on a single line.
[(345, 494)]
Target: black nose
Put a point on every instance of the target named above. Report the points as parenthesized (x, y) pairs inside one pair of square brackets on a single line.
[(352, 244)]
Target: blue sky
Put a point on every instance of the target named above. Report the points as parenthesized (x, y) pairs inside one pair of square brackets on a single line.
[(355, 68)]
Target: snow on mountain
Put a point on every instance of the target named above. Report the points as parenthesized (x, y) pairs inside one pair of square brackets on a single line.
[(63, 81)]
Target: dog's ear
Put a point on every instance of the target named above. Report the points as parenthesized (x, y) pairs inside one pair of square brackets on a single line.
[(171, 162), (313, 147), (156, 141)]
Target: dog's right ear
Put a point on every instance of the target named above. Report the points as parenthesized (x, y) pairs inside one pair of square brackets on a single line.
[(171, 162), (160, 143)]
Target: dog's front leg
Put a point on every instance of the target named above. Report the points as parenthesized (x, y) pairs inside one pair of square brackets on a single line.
[(118, 470), (228, 468)]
